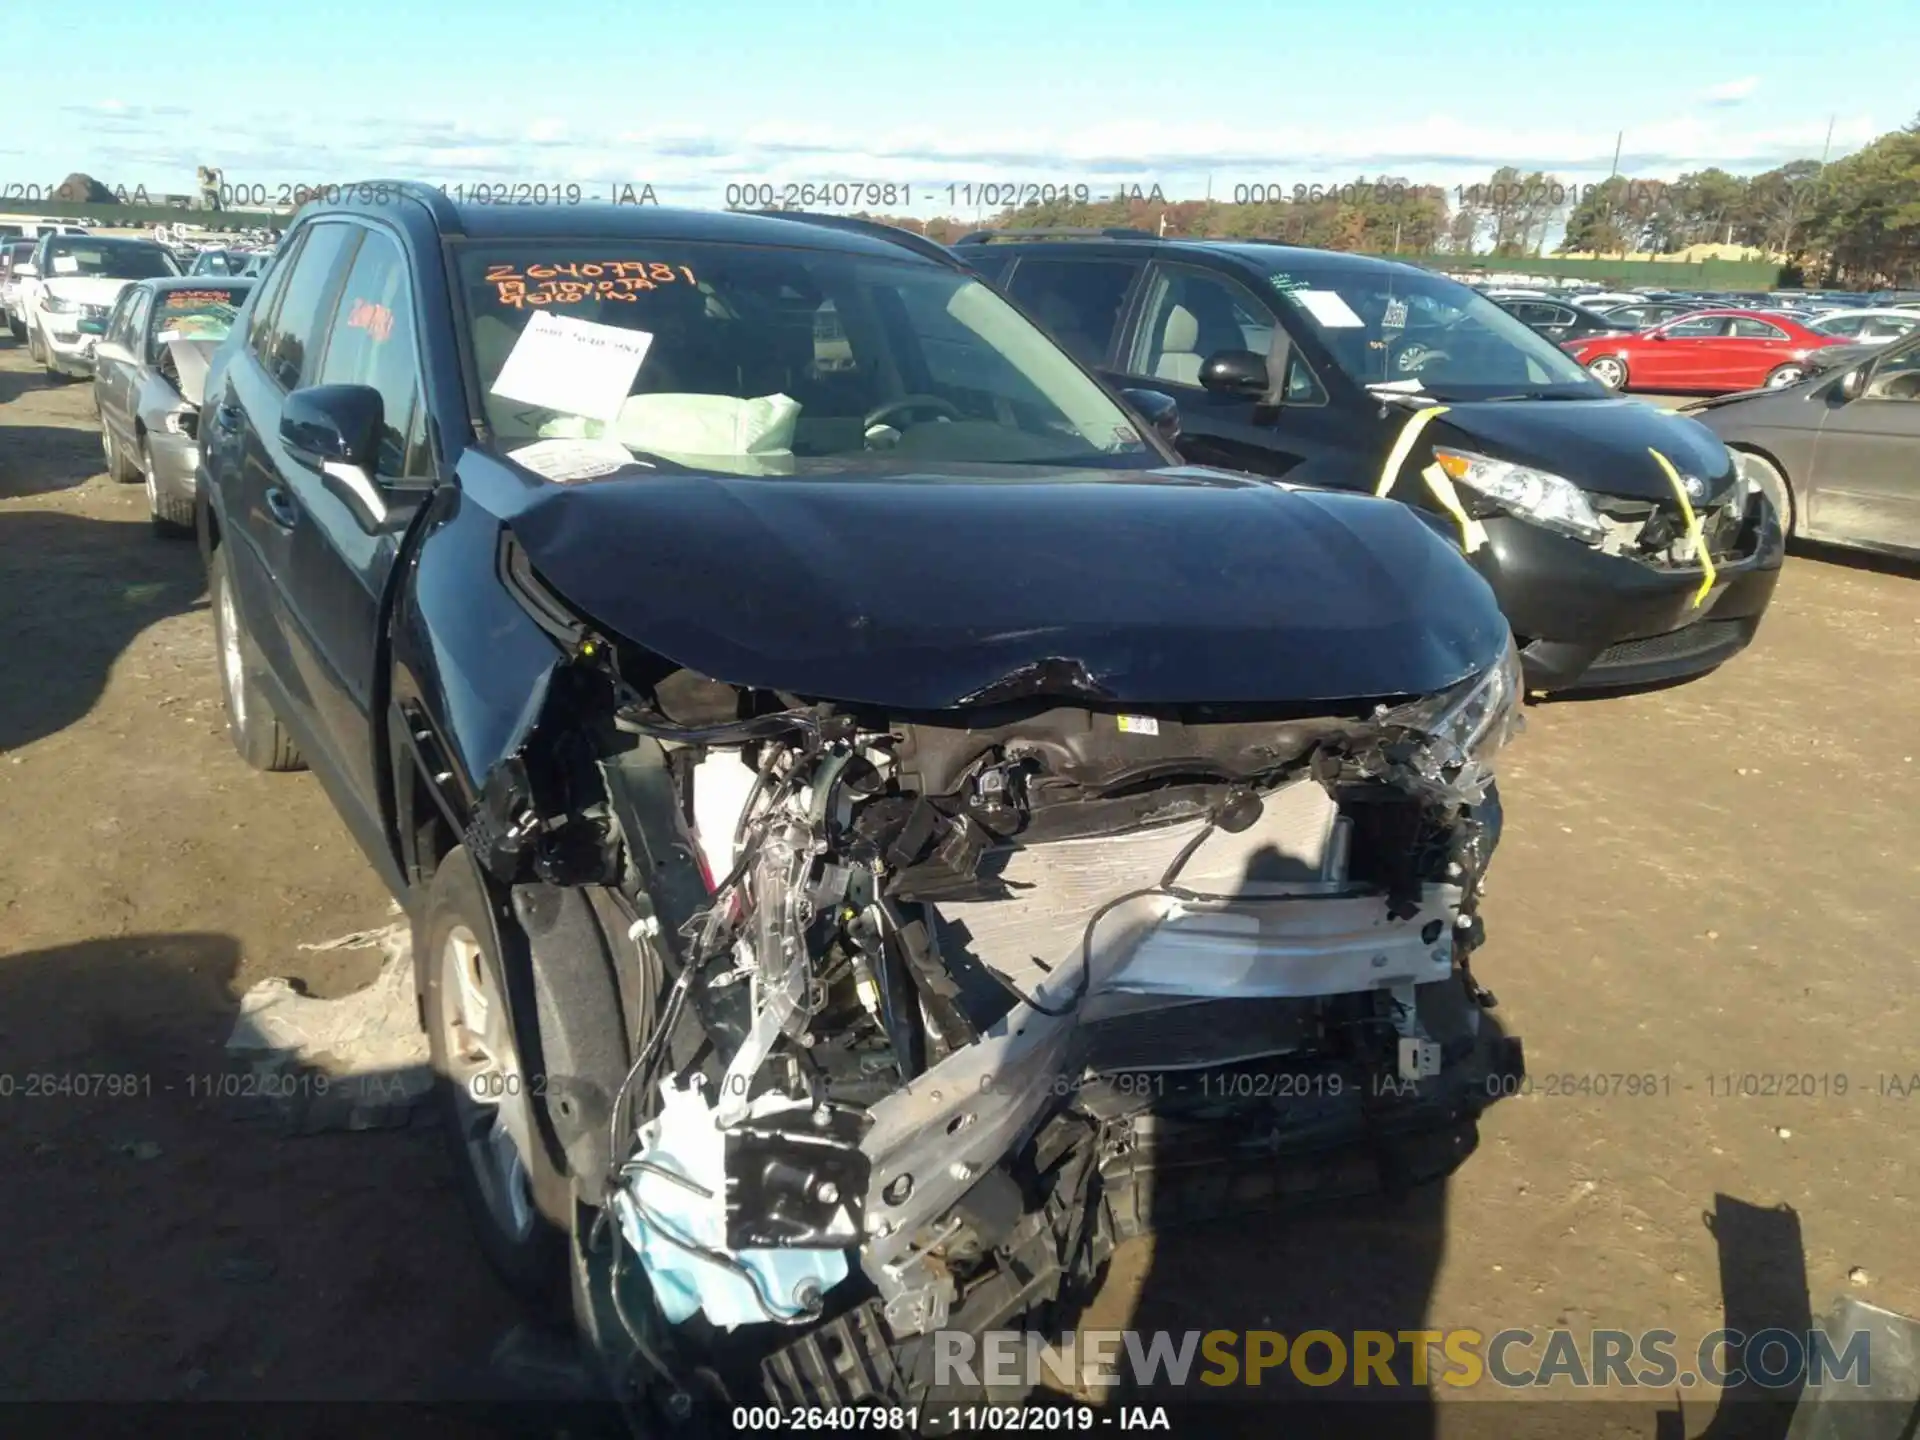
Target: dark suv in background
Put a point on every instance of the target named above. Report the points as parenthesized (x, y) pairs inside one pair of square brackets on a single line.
[(1308, 365)]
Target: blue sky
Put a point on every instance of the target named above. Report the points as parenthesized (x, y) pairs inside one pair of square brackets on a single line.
[(1103, 92)]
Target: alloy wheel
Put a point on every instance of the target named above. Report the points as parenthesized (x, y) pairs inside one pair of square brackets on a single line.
[(232, 665), (495, 1115), (1608, 371)]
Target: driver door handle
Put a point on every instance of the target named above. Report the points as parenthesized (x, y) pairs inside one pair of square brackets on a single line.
[(281, 506), (226, 417)]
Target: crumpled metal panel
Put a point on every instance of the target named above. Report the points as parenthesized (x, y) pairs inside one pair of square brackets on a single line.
[(1034, 939)]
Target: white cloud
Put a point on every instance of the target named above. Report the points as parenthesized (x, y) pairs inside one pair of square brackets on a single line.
[(1731, 92), (692, 166)]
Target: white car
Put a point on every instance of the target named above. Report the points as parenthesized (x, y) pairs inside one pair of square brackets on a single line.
[(1874, 326), (68, 289), (1605, 300)]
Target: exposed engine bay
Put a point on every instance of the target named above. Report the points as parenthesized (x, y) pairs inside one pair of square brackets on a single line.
[(960, 1000)]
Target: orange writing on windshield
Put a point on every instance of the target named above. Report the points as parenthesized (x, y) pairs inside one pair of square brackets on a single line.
[(573, 282), (189, 299)]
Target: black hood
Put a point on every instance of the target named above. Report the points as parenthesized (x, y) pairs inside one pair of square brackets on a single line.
[(926, 592), (1600, 445)]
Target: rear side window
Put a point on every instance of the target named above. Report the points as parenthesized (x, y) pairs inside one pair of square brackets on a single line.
[(260, 330), (1746, 329), (1078, 302), (372, 343), (306, 303)]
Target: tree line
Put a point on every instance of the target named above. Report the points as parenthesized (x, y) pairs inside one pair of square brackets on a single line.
[(1854, 222)]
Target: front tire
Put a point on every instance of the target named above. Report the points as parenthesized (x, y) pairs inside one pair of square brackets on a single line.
[(169, 515), (1609, 370), (1782, 376), (119, 469), (1773, 484), (256, 732), (520, 1202)]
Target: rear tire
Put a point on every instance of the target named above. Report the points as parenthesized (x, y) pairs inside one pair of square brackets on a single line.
[(16, 329), (1609, 370), (255, 730), (520, 1202)]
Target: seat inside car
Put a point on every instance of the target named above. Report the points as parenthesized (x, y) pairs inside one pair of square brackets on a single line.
[(1179, 347)]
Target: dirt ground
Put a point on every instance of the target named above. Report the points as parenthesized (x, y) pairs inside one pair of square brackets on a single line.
[(1697, 884)]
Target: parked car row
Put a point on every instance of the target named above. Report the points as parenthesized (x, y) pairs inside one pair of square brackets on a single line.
[(1732, 342)]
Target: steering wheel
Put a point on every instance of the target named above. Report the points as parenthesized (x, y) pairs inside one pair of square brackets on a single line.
[(907, 404), (1417, 356)]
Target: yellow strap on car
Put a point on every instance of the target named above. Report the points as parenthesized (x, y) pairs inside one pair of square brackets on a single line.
[(1472, 533), (1693, 527), (1403, 446)]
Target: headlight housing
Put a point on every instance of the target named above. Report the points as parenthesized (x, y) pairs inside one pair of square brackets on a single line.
[(1548, 500), (1460, 730), (57, 304)]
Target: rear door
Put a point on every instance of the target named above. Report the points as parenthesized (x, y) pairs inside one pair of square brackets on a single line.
[(1188, 313), (1752, 348), (1684, 356), (260, 511), (348, 526), (1866, 462), (1079, 300), (115, 363)]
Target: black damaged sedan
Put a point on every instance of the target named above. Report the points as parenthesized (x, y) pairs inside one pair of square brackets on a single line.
[(877, 829), (1310, 365)]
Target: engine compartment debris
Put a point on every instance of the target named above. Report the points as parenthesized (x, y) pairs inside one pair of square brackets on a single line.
[(961, 998)]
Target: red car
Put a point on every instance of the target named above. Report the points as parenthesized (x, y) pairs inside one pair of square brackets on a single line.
[(1707, 350)]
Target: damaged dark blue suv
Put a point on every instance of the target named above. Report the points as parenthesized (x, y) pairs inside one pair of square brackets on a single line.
[(876, 827)]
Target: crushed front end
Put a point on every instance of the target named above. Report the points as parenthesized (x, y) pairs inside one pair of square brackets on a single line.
[(962, 999)]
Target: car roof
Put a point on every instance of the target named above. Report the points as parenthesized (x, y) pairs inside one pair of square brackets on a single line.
[(599, 221), (164, 283), (1260, 254)]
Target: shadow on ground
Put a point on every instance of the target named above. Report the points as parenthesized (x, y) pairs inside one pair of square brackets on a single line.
[(74, 593), (163, 1245)]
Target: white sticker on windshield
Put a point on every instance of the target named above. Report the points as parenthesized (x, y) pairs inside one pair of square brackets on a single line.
[(564, 460), (1138, 724), (66, 264), (1396, 316), (574, 366), (1328, 308)]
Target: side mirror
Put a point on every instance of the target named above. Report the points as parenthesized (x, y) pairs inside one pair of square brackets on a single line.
[(1657, 335), (332, 424), (1853, 383), (1234, 372), (336, 430), (1160, 411)]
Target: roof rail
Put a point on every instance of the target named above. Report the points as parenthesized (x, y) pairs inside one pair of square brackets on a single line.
[(1050, 232), (878, 230), (445, 215)]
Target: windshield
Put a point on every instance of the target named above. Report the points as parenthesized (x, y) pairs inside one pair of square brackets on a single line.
[(107, 259), (771, 360), (1427, 334), (203, 313)]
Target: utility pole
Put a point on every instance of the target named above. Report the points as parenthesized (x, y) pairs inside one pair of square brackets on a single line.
[(1793, 200), (1618, 138)]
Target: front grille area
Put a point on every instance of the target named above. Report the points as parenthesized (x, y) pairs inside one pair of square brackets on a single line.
[(1654, 531), (1701, 638)]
